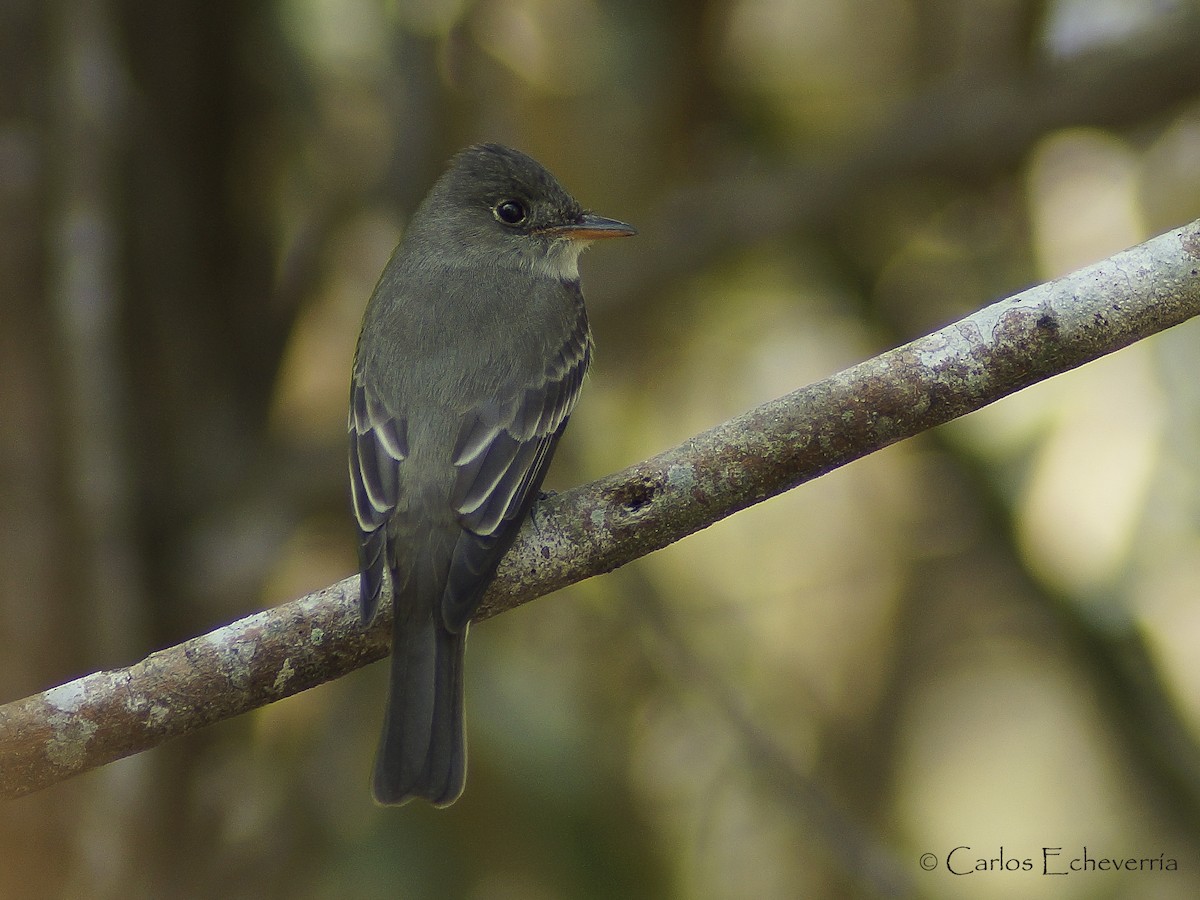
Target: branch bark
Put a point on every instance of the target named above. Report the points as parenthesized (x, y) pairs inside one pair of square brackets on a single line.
[(597, 527)]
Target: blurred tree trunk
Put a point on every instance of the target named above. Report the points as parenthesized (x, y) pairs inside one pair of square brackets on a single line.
[(140, 342), (38, 645)]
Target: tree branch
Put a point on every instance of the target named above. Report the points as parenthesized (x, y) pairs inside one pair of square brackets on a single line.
[(597, 527)]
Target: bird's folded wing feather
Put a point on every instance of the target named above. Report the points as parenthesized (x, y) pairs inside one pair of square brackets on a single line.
[(378, 444), (502, 454), (503, 449)]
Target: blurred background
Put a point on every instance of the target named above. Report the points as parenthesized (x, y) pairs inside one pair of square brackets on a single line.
[(985, 637)]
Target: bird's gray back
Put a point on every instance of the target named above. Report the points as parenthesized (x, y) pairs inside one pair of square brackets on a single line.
[(496, 343)]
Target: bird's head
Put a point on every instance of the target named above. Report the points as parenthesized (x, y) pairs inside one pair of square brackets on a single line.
[(496, 205)]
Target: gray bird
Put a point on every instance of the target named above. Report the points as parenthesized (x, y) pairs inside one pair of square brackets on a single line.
[(473, 349)]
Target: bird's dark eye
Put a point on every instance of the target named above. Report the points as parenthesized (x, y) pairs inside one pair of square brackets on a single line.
[(510, 212)]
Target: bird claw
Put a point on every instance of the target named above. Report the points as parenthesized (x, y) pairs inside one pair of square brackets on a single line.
[(533, 510)]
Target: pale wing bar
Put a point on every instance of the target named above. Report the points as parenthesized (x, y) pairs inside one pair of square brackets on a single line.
[(378, 444)]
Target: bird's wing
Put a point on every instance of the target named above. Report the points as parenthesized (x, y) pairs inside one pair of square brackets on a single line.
[(378, 444), (502, 454)]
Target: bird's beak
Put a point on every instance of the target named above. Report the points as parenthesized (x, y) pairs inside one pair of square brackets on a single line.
[(591, 228)]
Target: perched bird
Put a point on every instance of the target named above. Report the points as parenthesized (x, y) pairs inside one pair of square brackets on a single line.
[(473, 348)]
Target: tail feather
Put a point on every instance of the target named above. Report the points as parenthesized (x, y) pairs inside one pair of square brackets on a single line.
[(447, 742), (423, 749)]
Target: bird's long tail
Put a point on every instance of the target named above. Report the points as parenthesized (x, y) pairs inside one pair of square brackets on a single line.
[(423, 749)]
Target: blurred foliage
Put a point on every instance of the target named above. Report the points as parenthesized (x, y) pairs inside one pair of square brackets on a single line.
[(983, 637)]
